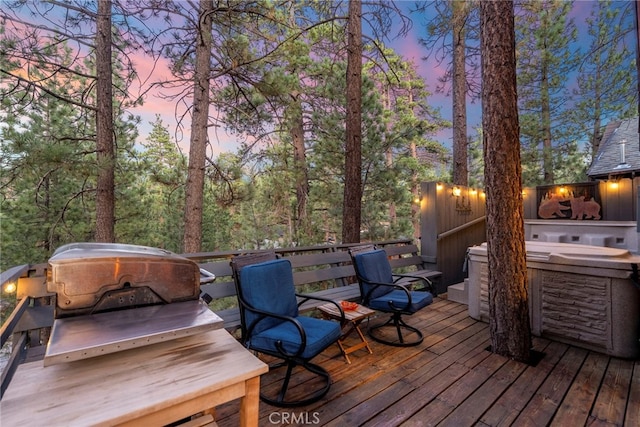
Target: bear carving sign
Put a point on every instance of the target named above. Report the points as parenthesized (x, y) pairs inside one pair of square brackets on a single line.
[(571, 203), (553, 207), (587, 208)]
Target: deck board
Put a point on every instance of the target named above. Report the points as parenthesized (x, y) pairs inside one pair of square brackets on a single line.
[(451, 379), (582, 393), (611, 401)]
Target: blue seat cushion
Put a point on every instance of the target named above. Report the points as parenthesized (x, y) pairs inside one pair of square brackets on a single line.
[(399, 298), (320, 335)]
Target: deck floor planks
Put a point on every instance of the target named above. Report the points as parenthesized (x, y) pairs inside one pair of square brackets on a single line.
[(443, 322), (451, 379), (446, 402), (610, 404), (578, 402), (508, 406), (428, 382), (383, 390), (424, 394), (542, 407), (470, 410), (632, 417)]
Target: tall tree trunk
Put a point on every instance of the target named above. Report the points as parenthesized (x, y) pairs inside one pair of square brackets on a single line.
[(386, 99), (300, 166), (352, 203), (415, 195), (508, 305), (547, 149), (192, 241), (105, 197), (459, 87), (415, 186)]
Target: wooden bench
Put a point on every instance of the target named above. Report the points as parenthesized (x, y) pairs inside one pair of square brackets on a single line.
[(324, 271), (406, 258)]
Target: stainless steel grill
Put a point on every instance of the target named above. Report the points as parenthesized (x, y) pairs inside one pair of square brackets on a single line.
[(111, 297)]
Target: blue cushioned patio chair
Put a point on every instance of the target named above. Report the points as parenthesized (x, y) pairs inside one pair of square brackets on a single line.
[(381, 291), (271, 324)]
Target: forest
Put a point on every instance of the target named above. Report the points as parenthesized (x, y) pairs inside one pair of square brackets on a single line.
[(279, 76)]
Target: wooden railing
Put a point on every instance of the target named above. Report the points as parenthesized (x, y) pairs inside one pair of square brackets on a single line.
[(452, 219), (25, 332)]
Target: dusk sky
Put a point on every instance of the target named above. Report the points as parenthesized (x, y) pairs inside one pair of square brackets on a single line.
[(408, 47)]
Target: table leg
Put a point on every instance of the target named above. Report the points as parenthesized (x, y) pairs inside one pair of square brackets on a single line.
[(364, 340), (250, 403), (353, 326)]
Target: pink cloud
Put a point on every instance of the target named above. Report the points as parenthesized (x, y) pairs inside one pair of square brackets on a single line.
[(170, 111)]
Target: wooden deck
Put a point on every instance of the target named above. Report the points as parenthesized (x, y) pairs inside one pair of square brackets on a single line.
[(452, 380)]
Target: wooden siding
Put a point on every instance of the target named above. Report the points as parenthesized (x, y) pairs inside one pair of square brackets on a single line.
[(449, 225)]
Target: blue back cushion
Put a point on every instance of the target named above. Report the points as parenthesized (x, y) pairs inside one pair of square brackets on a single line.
[(269, 286), (374, 267)]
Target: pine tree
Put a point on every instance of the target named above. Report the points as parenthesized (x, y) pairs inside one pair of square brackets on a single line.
[(47, 178), (161, 187), (85, 29), (545, 59), (607, 75)]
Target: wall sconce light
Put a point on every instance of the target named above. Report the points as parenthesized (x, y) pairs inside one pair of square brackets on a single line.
[(439, 186), (613, 185), (463, 203), (417, 200), (10, 288)]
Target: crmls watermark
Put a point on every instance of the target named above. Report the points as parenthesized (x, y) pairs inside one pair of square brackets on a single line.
[(278, 418)]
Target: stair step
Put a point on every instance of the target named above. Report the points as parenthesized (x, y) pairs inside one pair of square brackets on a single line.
[(458, 293)]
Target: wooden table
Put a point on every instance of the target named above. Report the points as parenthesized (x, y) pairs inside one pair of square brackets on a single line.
[(353, 318), (152, 385)]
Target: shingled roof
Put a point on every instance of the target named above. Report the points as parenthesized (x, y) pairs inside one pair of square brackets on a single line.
[(615, 157)]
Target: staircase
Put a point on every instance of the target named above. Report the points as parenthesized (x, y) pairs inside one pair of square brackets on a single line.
[(459, 292)]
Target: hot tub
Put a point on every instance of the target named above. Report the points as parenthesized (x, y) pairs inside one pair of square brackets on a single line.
[(578, 294)]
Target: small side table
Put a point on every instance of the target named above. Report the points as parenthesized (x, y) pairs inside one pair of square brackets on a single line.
[(353, 318)]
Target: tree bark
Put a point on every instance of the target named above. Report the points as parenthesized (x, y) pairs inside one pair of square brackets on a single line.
[(300, 166), (105, 185), (508, 300), (547, 148), (192, 240), (352, 203), (459, 88)]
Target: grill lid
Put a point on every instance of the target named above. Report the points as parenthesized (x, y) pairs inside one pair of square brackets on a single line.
[(96, 277)]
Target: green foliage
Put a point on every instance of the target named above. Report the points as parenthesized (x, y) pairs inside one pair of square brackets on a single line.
[(607, 76), (544, 61), (46, 182), (274, 67)]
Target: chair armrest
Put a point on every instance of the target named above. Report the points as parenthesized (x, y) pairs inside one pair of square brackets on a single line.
[(307, 297), (427, 284), (265, 314)]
